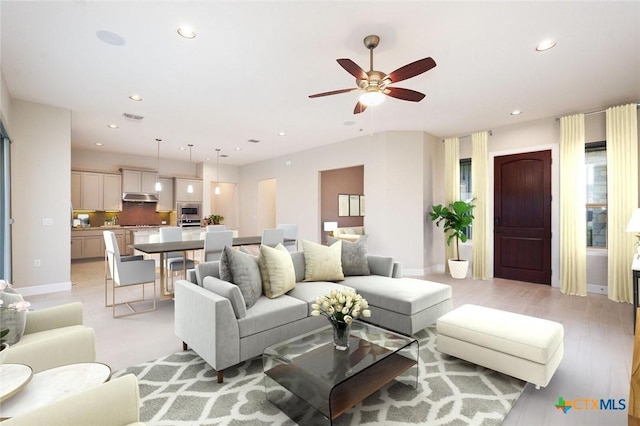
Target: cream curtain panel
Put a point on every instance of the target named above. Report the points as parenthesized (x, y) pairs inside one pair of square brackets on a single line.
[(622, 197), (573, 198), (451, 184), (480, 179)]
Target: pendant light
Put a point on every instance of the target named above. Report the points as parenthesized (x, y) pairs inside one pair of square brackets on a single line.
[(217, 190), (190, 186), (158, 184)]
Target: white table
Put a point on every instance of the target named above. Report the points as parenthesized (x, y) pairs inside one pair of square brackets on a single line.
[(13, 377), (54, 384)]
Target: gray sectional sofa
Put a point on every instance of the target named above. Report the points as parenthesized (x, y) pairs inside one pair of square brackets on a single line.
[(211, 317)]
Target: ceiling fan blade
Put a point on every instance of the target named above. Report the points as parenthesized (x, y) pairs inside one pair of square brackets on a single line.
[(360, 107), (404, 94), (353, 68), (333, 92), (412, 69)]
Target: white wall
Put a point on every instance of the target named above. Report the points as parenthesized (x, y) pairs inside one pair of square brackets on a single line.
[(228, 174), (40, 191), (394, 176)]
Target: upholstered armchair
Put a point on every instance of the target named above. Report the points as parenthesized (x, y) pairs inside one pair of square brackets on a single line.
[(114, 403), (54, 337)]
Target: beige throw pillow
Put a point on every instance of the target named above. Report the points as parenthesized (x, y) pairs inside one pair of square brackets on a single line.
[(276, 268), (322, 263)]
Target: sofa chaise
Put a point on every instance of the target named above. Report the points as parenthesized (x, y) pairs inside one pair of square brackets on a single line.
[(212, 317)]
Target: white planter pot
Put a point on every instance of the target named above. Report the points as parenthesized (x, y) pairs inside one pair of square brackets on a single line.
[(458, 268)]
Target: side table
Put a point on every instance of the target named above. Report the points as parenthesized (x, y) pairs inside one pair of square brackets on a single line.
[(13, 377), (54, 384)]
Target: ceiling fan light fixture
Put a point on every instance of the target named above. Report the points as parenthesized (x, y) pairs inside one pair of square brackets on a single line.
[(371, 98)]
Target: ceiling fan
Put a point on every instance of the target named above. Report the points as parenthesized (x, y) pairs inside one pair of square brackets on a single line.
[(375, 84)]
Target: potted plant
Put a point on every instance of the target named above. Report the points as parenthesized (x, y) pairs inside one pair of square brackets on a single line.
[(215, 219), (456, 218)]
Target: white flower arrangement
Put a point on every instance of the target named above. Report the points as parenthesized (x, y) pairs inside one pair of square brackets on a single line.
[(341, 305), (20, 306)]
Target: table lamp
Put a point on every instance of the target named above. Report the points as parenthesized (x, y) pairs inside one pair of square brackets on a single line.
[(634, 226), (332, 226)]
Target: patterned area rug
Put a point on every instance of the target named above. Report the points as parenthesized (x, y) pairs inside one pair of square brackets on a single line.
[(182, 389)]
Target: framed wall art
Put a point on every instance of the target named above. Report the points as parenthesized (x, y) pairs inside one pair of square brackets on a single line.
[(343, 205), (354, 205)]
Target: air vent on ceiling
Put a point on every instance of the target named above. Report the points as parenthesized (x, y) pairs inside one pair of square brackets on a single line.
[(253, 140), (132, 117)]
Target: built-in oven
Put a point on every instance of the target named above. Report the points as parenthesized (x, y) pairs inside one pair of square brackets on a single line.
[(189, 214)]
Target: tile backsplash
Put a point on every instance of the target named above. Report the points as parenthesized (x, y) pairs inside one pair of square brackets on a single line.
[(132, 214)]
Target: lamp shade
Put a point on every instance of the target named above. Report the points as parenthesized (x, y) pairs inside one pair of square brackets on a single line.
[(330, 226), (634, 222)]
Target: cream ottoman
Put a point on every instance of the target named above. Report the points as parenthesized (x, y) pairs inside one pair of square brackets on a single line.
[(524, 347)]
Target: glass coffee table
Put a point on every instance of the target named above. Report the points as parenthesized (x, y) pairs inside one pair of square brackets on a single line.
[(313, 383)]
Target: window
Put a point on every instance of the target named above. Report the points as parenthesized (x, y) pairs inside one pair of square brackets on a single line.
[(596, 208), (466, 190)]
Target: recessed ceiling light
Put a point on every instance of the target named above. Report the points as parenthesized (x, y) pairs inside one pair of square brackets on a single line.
[(182, 148), (112, 126), (136, 98), (516, 112), (98, 144), (186, 32), (282, 134), (545, 45), (238, 148), (110, 38)]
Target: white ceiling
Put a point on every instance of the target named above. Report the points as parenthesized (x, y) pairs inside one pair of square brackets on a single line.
[(248, 73)]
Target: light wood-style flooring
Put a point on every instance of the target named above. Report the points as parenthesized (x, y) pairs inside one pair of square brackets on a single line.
[(598, 339)]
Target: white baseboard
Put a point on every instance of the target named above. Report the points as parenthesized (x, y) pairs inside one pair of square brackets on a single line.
[(425, 271), (44, 288), (597, 289)]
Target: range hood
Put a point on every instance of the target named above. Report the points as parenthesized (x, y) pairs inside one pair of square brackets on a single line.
[(139, 197)]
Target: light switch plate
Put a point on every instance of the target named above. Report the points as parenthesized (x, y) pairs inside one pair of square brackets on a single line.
[(47, 221)]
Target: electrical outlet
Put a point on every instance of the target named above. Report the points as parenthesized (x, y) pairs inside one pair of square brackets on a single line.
[(36, 263)]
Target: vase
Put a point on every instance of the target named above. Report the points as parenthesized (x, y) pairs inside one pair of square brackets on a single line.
[(4, 349), (341, 335), (12, 319)]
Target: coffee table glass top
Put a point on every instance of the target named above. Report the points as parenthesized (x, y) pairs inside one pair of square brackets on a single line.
[(308, 371)]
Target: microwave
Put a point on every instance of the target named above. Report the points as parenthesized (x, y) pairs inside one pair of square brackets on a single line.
[(189, 211)]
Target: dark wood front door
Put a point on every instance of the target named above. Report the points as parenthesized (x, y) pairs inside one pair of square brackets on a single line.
[(522, 217)]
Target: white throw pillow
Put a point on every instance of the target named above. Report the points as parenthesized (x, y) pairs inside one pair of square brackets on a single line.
[(322, 263), (276, 268)]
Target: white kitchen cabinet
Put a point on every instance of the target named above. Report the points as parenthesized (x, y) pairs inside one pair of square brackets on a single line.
[(89, 243), (112, 192), (92, 191), (165, 197), (76, 190), (139, 181), (76, 247), (96, 191), (180, 190), (149, 180)]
